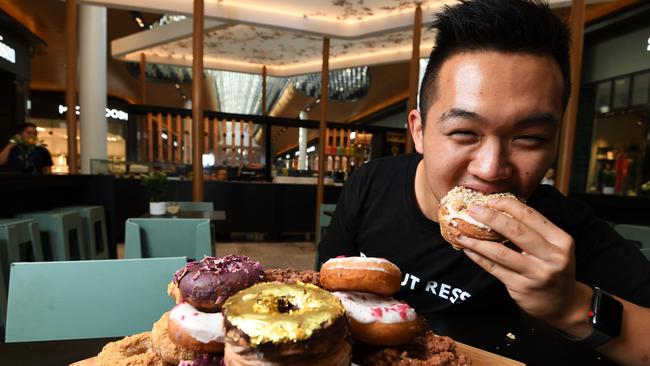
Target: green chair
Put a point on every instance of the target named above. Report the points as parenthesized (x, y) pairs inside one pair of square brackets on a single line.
[(61, 234), (646, 253), (20, 241), (93, 222), (167, 237), (3, 302), (87, 299), (325, 219), (638, 233), (199, 206), (324, 223), (195, 206)]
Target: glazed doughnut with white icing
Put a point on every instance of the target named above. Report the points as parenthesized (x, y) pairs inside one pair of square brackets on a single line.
[(196, 330), (455, 220), (375, 275), (377, 320)]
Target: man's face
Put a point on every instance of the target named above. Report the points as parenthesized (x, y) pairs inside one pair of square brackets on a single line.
[(28, 133), (494, 123), (222, 175)]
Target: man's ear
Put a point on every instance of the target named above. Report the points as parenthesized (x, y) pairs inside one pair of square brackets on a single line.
[(417, 130)]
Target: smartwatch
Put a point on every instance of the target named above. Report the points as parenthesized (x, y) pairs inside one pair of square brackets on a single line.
[(605, 317)]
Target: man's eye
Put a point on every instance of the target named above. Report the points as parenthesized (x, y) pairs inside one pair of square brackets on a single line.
[(528, 140), (463, 136)]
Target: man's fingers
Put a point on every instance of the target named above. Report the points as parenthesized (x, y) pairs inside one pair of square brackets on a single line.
[(518, 232), (500, 255), (509, 277), (529, 217)]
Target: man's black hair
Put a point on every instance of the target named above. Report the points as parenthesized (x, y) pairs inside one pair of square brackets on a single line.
[(23, 126), (509, 26)]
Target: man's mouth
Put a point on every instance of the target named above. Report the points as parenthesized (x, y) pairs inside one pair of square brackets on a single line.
[(488, 188)]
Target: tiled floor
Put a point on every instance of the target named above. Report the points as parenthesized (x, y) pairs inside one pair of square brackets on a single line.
[(299, 255)]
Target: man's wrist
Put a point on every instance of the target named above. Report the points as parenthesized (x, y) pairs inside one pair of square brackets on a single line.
[(575, 320)]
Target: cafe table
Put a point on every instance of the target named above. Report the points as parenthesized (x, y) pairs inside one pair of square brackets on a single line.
[(54, 353), (213, 216), (509, 334)]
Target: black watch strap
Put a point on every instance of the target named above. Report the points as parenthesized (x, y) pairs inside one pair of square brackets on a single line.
[(593, 340), (605, 317)]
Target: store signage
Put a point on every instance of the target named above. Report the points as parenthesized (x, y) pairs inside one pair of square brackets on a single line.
[(6, 52), (112, 112)]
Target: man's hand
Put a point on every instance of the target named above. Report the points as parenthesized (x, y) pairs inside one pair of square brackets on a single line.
[(4, 154), (540, 278)]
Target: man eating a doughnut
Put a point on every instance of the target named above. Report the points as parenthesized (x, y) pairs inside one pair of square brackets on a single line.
[(491, 107)]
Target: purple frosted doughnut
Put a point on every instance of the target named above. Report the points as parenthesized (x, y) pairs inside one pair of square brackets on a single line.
[(206, 284)]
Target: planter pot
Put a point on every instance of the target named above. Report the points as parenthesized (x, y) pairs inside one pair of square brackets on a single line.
[(608, 190), (157, 208)]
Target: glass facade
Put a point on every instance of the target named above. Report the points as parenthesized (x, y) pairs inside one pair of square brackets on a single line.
[(618, 161)]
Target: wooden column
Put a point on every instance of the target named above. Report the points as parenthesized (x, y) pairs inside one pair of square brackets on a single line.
[(170, 138), (264, 112), (159, 142), (143, 78), (178, 155), (150, 136), (197, 103), (71, 83), (324, 96), (414, 72), (267, 130), (567, 134)]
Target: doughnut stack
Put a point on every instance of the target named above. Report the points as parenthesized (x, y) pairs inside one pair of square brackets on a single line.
[(192, 333), (364, 286), (226, 314)]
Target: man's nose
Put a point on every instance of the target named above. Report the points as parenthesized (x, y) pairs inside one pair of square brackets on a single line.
[(490, 162)]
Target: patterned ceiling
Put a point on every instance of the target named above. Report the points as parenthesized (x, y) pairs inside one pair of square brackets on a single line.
[(284, 35), (265, 46), (339, 10)]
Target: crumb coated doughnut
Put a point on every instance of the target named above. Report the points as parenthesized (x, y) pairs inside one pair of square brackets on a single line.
[(134, 350), (455, 220), (164, 347), (193, 329), (292, 275), (378, 320), (375, 275), (427, 349), (204, 360), (206, 284)]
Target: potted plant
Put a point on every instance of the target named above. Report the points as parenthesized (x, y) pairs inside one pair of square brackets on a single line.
[(156, 184)]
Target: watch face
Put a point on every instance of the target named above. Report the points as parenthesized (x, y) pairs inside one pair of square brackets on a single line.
[(608, 314)]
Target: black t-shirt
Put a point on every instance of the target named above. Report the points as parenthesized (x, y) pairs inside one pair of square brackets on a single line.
[(30, 161), (378, 216)]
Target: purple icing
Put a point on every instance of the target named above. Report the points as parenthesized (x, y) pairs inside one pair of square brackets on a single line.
[(215, 279), (204, 360)]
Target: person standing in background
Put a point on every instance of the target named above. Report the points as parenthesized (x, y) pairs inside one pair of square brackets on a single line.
[(25, 153)]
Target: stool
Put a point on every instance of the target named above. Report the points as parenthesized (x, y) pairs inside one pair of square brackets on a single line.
[(20, 241), (93, 220), (61, 234)]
